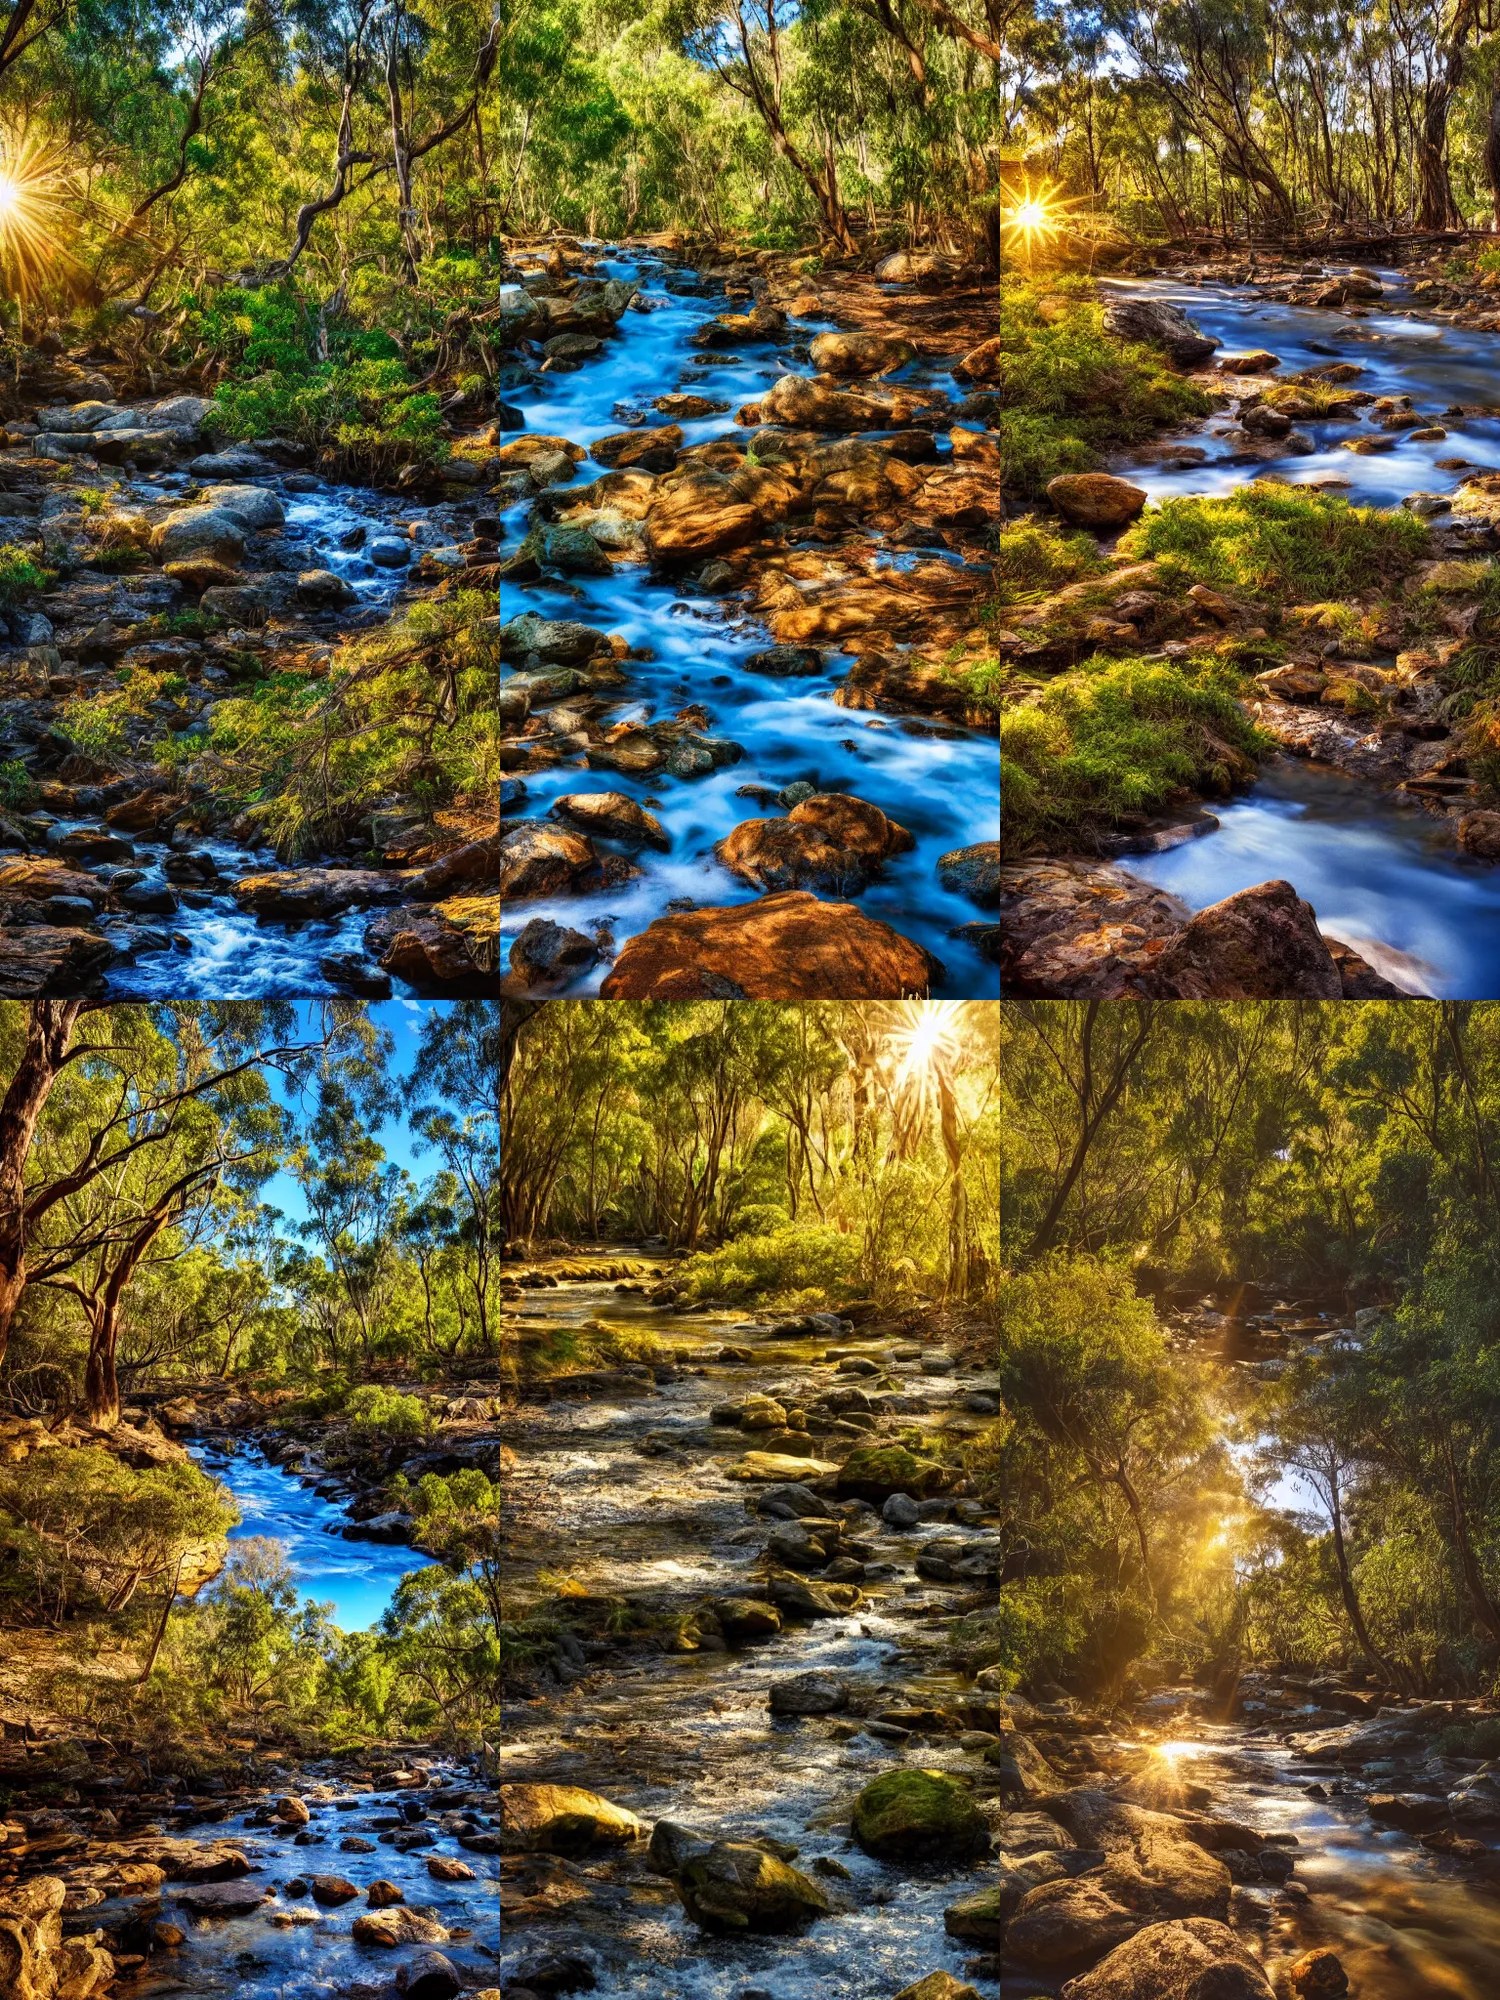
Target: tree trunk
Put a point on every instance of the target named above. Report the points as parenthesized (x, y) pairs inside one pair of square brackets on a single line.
[(1492, 151), (101, 1384), (49, 1031)]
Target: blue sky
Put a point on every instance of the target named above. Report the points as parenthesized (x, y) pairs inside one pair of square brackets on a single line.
[(403, 1021)]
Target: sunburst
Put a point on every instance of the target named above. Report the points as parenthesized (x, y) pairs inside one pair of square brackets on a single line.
[(32, 183)]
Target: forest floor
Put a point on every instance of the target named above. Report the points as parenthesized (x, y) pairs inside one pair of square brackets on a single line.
[(826, 523)]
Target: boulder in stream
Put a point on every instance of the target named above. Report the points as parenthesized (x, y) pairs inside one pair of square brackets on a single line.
[(919, 1816), (35, 1959), (1196, 1959), (430, 1976), (874, 1472), (389, 1928), (787, 946), (562, 1819), (1159, 324), (736, 1886), (938, 1986), (811, 1693)]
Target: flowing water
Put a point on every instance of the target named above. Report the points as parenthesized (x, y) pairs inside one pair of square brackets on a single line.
[(939, 781), (633, 1493), (1379, 874)]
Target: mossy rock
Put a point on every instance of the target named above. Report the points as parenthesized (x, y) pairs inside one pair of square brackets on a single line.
[(919, 1816), (736, 1886), (876, 1471)]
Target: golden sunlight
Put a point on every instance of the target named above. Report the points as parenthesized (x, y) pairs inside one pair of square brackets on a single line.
[(927, 1034), (31, 186), (1034, 216)]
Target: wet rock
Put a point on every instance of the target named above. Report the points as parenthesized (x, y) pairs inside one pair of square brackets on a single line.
[(1019, 1768), (973, 872), (1258, 362), (389, 551), (1196, 1959), (812, 1693), (1318, 1975), (541, 860), (443, 1868), (829, 842), (334, 1889), (1063, 1925), (787, 660), (1152, 1856), (434, 951), (252, 506), (36, 1961), (699, 512), (291, 1812), (650, 450), (876, 1472), (746, 1619), (912, 1816), (1260, 944), (1160, 325), (860, 353), (562, 1819), (1095, 499), (802, 404), (430, 1976), (1479, 834), (294, 893), (938, 1986), (43, 960), (736, 1887), (222, 1899), (558, 640), (981, 1918), (613, 816), (390, 1928), (381, 1895), (786, 946), (321, 590), (200, 531), (356, 974), (548, 954)]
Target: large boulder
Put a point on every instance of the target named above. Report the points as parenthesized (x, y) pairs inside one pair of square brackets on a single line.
[(541, 860), (1063, 1925), (1159, 324), (804, 405), (876, 1471), (700, 512), (1195, 1959), (42, 960), (1260, 944), (650, 450), (612, 816), (559, 641), (861, 353), (390, 1928), (982, 364), (919, 1816), (254, 506), (36, 1962), (973, 872), (200, 531), (1095, 499), (828, 842), (290, 894), (562, 1819), (735, 1886), (787, 946), (1153, 1859)]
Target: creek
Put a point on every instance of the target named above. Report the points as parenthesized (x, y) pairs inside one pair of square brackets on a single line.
[(631, 1490), (1382, 876), (938, 780)]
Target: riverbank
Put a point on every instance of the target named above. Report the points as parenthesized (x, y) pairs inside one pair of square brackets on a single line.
[(757, 552), (727, 1665)]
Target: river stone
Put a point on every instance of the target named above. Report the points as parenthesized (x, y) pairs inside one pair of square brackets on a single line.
[(786, 660), (541, 860), (699, 512), (332, 1889), (559, 640), (292, 893), (381, 1894), (774, 1466), (548, 954), (562, 1819), (200, 531), (812, 1693), (251, 505), (649, 450), (1195, 1959), (222, 1899), (321, 590), (830, 841), (973, 872), (389, 551), (443, 1868), (291, 1812), (430, 1976), (1259, 944), (1161, 325), (1153, 1855), (612, 816), (1020, 1770), (746, 1618), (938, 1986), (860, 353), (875, 1472), (398, 1926), (919, 1816), (785, 946), (1319, 1975), (1095, 499), (735, 1887), (981, 1918)]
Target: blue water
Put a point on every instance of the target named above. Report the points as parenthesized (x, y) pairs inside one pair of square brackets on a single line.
[(358, 1578), (941, 783)]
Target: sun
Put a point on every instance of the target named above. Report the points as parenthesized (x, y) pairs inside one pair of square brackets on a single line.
[(1034, 215), (31, 212), (926, 1035)]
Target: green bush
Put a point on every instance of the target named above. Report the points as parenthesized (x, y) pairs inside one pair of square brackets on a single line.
[(18, 789), (19, 573), (1115, 737), (1033, 558), (813, 1263), (1278, 542), (372, 1407)]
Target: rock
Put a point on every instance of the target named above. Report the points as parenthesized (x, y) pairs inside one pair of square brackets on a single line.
[(1095, 499), (294, 893), (1258, 362), (828, 842), (554, 1972), (36, 1961), (389, 551), (252, 506), (381, 1895), (560, 641), (649, 450), (613, 816), (785, 946), (334, 1889), (1160, 325), (981, 1918), (291, 1812), (321, 590), (443, 1868), (1193, 1960), (548, 954), (786, 660), (700, 512), (1318, 1975), (1020, 1768), (562, 1819), (900, 1511), (244, 604), (389, 1928), (804, 405), (735, 1887), (430, 1976), (1259, 944), (938, 1986), (973, 872), (860, 353), (1152, 1857), (222, 1899), (1479, 834), (875, 1472), (812, 1693), (745, 1619), (356, 973), (982, 363), (197, 574), (540, 860), (919, 1816), (200, 531), (1065, 1924)]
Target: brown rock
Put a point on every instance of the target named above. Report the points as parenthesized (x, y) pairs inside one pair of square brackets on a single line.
[(1258, 362), (1319, 1975), (332, 1889), (540, 860), (1260, 944), (786, 946), (398, 1926), (1095, 499), (700, 512), (1196, 1959), (381, 1895), (938, 1986), (443, 1868), (651, 450), (983, 363), (1062, 1925), (612, 816), (1478, 834), (562, 1819), (430, 952), (829, 842), (860, 353), (315, 892), (38, 961), (806, 405), (222, 1899)]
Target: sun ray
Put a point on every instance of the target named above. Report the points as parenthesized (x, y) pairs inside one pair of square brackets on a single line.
[(31, 212)]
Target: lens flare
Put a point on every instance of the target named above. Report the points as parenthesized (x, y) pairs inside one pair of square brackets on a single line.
[(925, 1036), (31, 213), (1034, 216)]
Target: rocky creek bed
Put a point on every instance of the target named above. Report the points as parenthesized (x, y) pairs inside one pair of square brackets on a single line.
[(744, 563), (211, 566), (1369, 812), (753, 1766)]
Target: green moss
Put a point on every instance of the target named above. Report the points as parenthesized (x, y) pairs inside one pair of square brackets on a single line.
[(876, 1471), (1277, 542), (1033, 558), (1116, 737), (918, 1816)]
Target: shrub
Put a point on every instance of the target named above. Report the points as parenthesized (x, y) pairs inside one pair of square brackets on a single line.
[(1033, 558), (17, 786), (372, 1407), (1118, 736), (20, 573), (817, 1264)]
